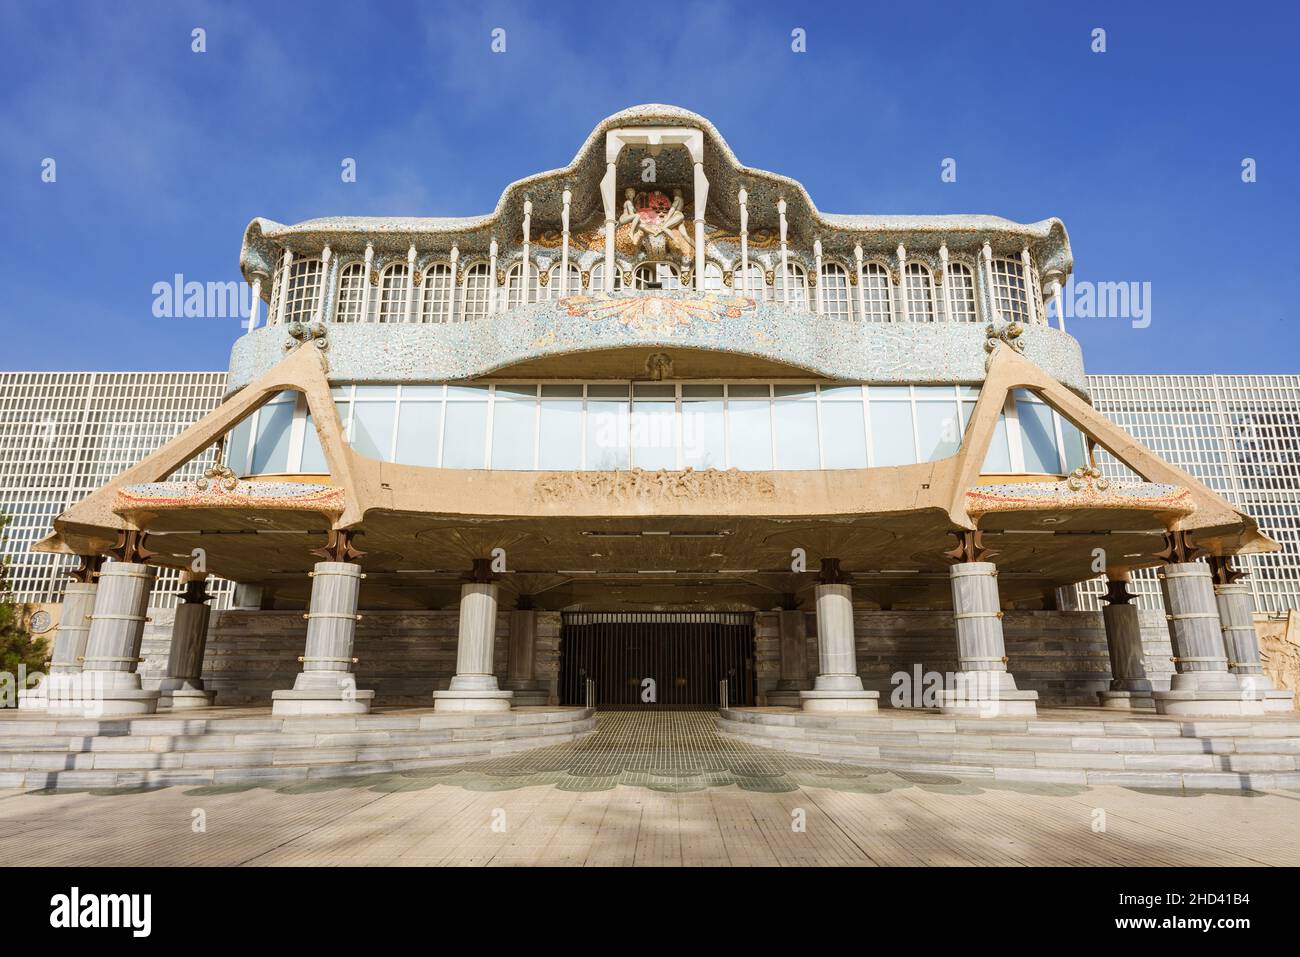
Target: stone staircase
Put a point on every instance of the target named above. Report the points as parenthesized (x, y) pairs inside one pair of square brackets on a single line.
[(248, 746), (1059, 747)]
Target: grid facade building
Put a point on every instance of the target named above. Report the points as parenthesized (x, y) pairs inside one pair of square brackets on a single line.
[(65, 434)]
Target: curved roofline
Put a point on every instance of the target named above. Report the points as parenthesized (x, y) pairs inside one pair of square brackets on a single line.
[(261, 232)]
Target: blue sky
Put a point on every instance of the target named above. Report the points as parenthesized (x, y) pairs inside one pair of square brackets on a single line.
[(163, 155)]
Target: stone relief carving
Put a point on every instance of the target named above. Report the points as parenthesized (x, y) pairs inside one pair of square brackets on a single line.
[(637, 484)]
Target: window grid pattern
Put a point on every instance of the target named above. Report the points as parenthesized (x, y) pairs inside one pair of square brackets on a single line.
[(352, 285), (1009, 294), (960, 283), (392, 293), (598, 277), (793, 289), (876, 299), (475, 292), (920, 293), (1238, 434), (574, 286), (304, 290), (514, 280), (436, 293), (752, 283), (65, 434), (837, 299)]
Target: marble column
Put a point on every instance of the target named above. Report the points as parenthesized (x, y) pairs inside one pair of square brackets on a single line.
[(837, 686), (110, 678), (182, 688), (1202, 685), (1130, 688), (326, 684), (521, 672), (982, 686), (60, 690), (474, 687), (1241, 643)]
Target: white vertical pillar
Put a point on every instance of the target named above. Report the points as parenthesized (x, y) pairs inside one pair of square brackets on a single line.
[(567, 198), (607, 184), (1130, 688), (524, 266), (409, 311), (256, 304), (1059, 296), (451, 291), (474, 688), (838, 687), (1026, 267), (983, 685), (286, 267), (110, 676), (988, 282), (1241, 642), (902, 282), (818, 302), (743, 198), (785, 258), (862, 292), (323, 293), (365, 283), (182, 688), (944, 296), (61, 691), (492, 276), (701, 200)]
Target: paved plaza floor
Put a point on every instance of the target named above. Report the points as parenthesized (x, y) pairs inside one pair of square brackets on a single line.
[(660, 788)]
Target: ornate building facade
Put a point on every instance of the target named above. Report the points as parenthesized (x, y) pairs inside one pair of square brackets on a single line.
[(659, 400)]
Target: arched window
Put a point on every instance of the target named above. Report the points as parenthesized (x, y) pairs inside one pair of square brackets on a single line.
[(304, 289), (920, 293), (598, 277), (474, 294), (656, 276), (754, 284), (572, 288), (960, 282), (713, 277), (352, 284), (392, 293), (437, 290), (876, 293), (793, 289), (513, 282), (1009, 295), (836, 301)]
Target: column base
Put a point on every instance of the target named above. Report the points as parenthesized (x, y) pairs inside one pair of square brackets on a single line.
[(1126, 700), (1206, 703), (121, 701), (529, 697), (784, 698), (314, 701), (838, 701), (471, 700), (182, 699)]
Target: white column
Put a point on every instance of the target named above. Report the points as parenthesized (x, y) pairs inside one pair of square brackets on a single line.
[(902, 282), (474, 688), (1202, 684), (1059, 296), (182, 688), (365, 283), (318, 313), (409, 311), (1026, 267), (862, 292), (743, 198), (944, 296), (524, 266), (567, 199), (60, 692), (1130, 688), (785, 260), (607, 184), (286, 265), (818, 302), (1241, 642), (838, 687), (326, 684), (492, 276), (701, 200), (256, 304), (982, 687), (110, 677), (455, 284), (988, 282)]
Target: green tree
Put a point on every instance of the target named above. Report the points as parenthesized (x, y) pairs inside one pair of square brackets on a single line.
[(17, 646)]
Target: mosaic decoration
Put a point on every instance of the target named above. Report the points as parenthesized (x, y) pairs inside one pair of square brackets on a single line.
[(657, 313), (291, 496), (1039, 496)]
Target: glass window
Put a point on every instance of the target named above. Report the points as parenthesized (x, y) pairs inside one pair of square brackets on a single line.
[(560, 438), (795, 417), (844, 435), (372, 429), (304, 290), (1009, 295), (713, 278), (436, 293), (704, 439), (1037, 435), (464, 440), (836, 300), (752, 284), (654, 431), (352, 284), (598, 277), (313, 456), (607, 429), (794, 288), (750, 425), (392, 293), (419, 427), (1075, 448), (237, 446), (960, 284), (514, 420), (875, 293), (274, 427), (920, 294), (892, 442), (474, 297), (938, 423), (998, 459)]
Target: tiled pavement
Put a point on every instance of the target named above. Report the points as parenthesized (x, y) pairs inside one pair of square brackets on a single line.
[(651, 788)]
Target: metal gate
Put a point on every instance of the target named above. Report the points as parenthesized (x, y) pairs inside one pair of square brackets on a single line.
[(657, 659)]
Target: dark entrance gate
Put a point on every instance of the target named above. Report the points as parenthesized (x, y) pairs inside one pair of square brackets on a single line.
[(684, 655)]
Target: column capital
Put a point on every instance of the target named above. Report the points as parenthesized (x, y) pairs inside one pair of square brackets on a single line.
[(1179, 548), (1223, 572), (130, 547), (970, 547), (1117, 592), (339, 547)]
